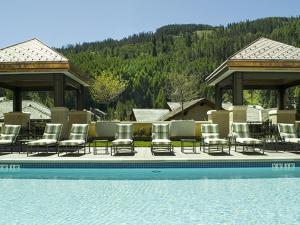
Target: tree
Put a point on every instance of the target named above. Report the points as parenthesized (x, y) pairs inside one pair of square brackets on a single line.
[(154, 51), (183, 88), (106, 87)]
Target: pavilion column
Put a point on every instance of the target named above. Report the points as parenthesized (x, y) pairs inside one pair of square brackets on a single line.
[(80, 98), (281, 98), (237, 89), (218, 97), (17, 99), (59, 92)]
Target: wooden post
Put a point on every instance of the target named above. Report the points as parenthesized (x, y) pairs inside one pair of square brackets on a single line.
[(281, 98), (218, 97), (17, 99), (59, 90), (80, 98), (237, 88)]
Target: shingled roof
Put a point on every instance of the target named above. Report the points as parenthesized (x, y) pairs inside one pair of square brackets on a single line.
[(186, 106), (37, 110), (30, 51), (33, 57), (265, 48), (148, 114), (262, 55)]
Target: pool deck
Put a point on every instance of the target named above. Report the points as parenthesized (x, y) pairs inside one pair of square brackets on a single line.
[(144, 155)]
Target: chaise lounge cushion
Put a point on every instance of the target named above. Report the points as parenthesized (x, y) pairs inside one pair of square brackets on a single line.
[(215, 141), (293, 140), (124, 131), (71, 142), (240, 130), (161, 142), (248, 141), (42, 142), (122, 142), (9, 134), (52, 131), (5, 142), (10, 137), (160, 131)]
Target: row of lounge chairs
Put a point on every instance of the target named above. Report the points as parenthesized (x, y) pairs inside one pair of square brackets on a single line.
[(50, 140), (78, 137)]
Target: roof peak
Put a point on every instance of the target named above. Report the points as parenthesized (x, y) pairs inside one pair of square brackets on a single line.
[(32, 50), (267, 49)]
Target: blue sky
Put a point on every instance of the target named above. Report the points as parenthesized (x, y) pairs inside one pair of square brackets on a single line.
[(61, 22)]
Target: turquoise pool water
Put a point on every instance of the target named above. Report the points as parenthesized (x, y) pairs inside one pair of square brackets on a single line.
[(150, 196)]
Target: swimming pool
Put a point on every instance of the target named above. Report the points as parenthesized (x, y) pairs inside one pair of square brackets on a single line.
[(150, 196)]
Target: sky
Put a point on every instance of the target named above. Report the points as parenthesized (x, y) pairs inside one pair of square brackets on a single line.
[(61, 22)]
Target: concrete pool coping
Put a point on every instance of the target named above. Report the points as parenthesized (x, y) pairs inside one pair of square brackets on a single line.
[(143, 155)]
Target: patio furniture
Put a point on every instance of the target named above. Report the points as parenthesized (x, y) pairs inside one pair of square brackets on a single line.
[(124, 139), (23, 144), (49, 140), (210, 139), (241, 137), (8, 137), (192, 141), (105, 148), (288, 135), (160, 138), (77, 139), (105, 132)]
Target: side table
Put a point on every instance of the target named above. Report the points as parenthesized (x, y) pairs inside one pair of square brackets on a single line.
[(183, 141)]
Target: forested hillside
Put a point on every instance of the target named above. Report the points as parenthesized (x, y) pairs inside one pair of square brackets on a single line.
[(145, 60)]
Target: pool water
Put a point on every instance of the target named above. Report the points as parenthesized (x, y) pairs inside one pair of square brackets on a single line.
[(150, 196)]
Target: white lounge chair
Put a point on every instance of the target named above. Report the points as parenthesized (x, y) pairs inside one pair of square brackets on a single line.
[(77, 139)]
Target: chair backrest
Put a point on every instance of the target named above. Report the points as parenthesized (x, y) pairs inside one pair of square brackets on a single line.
[(287, 130), (240, 130), (52, 131), (10, 132), (79, 132), (124, 131), (210, 130), (160, 131)]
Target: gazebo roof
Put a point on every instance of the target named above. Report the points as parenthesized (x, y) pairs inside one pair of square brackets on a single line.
[(267, 49), (261, 56), (34, 57), (30, 51)]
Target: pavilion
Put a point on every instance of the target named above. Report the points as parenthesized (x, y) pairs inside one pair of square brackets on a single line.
[(264, 64), (33, 66)]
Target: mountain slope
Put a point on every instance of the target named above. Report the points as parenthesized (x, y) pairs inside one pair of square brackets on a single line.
[(146, 59)]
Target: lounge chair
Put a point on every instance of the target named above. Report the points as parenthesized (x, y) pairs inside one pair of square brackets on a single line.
[(124, 139), (77, 139), (8, 137), (241, 137), (160, 138), (49, 140), (288, 134), (211, 138)]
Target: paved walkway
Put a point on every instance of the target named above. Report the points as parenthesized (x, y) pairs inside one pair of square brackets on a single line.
[(144, 154)]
